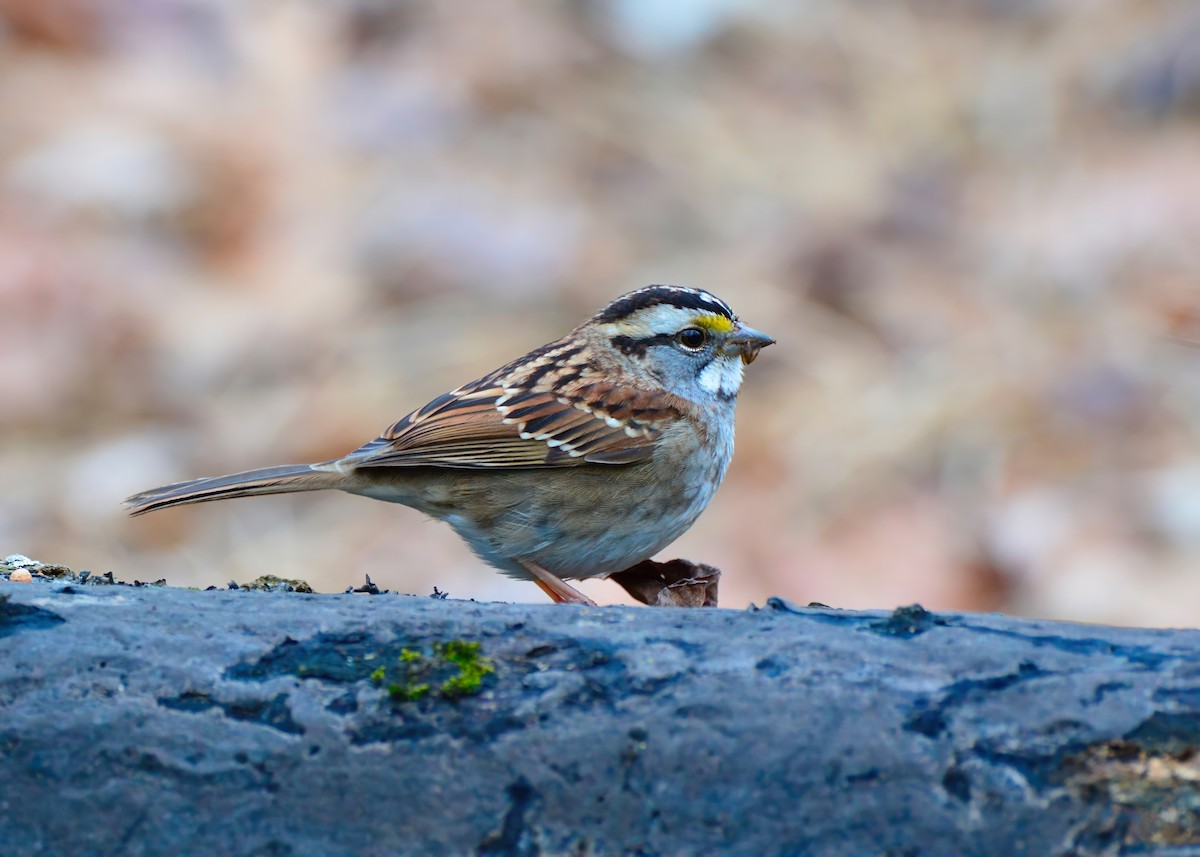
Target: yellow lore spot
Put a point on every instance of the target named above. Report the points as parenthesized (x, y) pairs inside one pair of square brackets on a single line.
[(714, 322)]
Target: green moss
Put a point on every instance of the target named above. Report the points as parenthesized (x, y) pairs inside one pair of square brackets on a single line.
[(455, 669), (407, 693), (465, 683), (458, 651), (472, 667)]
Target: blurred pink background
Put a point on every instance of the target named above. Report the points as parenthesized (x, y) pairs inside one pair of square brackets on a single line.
[(241, 234)]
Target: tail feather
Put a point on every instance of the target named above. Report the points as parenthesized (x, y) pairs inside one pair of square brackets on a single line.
[(267, 480)]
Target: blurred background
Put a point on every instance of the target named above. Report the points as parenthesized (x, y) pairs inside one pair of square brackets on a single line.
[(235, 234)]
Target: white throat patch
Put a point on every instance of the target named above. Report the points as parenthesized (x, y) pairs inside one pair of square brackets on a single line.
[(723, 375)]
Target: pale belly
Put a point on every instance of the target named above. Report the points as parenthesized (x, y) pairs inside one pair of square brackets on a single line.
[(588, 521)]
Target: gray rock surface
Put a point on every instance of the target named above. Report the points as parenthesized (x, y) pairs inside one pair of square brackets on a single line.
[(162, 721)]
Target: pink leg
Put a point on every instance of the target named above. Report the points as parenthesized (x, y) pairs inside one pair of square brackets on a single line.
[(559, 590)]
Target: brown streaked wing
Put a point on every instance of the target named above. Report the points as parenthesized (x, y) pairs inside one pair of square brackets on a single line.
[(479, 426)]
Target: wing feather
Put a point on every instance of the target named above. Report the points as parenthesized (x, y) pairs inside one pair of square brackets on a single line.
[(511, 419)]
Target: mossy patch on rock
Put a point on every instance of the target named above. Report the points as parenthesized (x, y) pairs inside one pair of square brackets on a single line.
[(455, 669)]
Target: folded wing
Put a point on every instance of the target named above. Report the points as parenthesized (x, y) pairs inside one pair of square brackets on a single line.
[(500, 422)]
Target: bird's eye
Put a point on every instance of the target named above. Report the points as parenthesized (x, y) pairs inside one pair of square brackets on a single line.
[(691, 337)]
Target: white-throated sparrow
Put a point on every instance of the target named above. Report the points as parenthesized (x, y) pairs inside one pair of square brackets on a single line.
[(580, 459)]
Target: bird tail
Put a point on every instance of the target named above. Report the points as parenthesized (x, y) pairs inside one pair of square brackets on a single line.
[(284, 479)]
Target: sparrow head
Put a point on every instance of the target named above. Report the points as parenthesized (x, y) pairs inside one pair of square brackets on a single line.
[(688, 340)]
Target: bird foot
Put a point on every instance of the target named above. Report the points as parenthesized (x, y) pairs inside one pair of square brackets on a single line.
[(559, 590)]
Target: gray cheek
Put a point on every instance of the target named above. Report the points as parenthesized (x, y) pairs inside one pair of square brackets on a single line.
[(665, 368)]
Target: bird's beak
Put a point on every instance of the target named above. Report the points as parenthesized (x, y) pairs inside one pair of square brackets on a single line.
[(745, 341)]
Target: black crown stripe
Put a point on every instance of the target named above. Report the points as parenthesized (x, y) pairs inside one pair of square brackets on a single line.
[(678, 296)]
